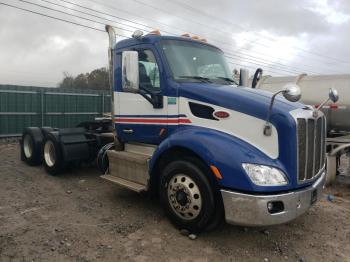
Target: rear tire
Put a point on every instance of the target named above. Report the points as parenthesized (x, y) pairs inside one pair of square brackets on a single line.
[(53, 157), (31, 146), (187, 196)]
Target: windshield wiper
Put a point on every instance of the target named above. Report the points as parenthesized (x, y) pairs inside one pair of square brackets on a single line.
[(202, 79), (227, 79)]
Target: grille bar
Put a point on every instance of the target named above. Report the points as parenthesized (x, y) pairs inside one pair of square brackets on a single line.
[(311, 147), (323, 152), (318, 141), (302, 156)]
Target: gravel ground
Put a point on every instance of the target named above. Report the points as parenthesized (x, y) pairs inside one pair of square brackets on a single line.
[(80, 217)]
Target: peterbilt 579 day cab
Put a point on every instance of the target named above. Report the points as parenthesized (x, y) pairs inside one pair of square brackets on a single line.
[(186, 132)]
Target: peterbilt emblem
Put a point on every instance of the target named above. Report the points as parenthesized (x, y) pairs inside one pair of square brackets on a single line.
[(315, 113), (221, 114)]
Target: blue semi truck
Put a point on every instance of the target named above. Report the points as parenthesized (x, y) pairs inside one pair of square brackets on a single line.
[(184, 131)]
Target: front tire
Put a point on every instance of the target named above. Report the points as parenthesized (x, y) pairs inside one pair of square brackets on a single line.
[(187, 196)]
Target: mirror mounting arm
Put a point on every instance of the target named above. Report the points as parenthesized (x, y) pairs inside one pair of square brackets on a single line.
[(156, 100), (268, 126), (332, 95), (146, 96), (292, 93), (322, 104)]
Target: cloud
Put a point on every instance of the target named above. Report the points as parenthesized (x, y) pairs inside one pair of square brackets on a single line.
[(36, 50), (330, 11)]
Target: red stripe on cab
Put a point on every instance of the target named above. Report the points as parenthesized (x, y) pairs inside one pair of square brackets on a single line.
[(153, 121)]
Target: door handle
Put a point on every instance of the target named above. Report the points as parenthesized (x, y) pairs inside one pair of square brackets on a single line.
[(128, 131)]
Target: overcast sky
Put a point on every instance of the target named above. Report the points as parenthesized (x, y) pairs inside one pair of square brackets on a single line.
[(282, 37)]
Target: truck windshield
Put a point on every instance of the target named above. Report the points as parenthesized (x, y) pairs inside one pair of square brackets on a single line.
[(196, 62)]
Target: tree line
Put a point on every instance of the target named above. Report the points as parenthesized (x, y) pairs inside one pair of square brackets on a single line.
[(97, 79)]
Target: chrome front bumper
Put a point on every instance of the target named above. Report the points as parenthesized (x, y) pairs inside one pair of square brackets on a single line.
[(251, 210)]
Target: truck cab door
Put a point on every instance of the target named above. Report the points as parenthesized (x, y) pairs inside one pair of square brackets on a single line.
[(139, 120)]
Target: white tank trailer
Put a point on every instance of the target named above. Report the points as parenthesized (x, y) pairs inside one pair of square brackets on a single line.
[(314, 89)]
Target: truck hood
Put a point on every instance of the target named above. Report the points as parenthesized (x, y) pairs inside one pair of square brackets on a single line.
[(242, 99), (256, 104)]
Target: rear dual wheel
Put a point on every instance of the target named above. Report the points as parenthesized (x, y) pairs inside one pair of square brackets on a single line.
[(31, 146), (53, 158), (28, 146)]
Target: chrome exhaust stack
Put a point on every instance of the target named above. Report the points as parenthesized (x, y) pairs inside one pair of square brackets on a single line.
[(112, 41)]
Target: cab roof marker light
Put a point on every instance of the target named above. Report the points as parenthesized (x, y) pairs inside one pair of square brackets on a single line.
[(186, 35), (154, 32), (195, 37)]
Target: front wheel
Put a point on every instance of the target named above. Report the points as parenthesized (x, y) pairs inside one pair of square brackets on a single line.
[(187, 196)]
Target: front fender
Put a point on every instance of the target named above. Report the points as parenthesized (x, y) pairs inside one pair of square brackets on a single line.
[(225, 152)]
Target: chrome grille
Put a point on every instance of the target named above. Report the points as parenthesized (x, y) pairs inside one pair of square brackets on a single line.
[(311, 147)]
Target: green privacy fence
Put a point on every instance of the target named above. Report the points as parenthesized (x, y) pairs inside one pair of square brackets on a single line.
[(21, 107)]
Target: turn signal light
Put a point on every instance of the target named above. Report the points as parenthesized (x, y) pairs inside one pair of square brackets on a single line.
[(216, 172)]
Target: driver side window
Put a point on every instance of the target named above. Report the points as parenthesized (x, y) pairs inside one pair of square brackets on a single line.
[(148, 71)]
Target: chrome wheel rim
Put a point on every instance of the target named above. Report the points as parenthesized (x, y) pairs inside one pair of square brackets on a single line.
[(49, 153), (184, 197), (28, 146)]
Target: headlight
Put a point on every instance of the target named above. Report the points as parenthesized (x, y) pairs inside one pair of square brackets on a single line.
[(265, 175)]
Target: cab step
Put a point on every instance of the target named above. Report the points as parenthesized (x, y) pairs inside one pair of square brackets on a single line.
[(143, 149), (125, 183), (129, 168)]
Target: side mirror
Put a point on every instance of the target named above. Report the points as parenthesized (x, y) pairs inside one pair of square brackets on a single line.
[(333, 95), (130, 70), (292, 92)]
